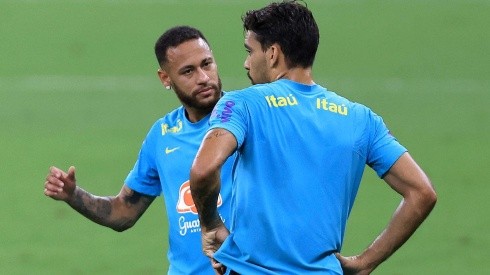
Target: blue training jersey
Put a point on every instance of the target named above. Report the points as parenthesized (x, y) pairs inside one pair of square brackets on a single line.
[(163, 167), (302, 151)]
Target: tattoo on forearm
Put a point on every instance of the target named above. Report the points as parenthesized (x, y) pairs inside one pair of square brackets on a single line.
[(97, 209), (104, 210), (136, 199), (206, 204)]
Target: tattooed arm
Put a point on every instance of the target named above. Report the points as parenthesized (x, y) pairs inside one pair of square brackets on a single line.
[(119, 213), (205, 181), (217, 146)]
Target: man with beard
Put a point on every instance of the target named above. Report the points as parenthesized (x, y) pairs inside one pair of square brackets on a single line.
[(301, 152), (188, 67)]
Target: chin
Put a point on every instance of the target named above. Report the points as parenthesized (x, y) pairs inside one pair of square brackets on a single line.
[(256, 81), (209, 102)]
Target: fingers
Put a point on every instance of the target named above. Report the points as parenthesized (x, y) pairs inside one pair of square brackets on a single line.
[(53, 186), (49, 191), (54, 182), (220, 271), (218, 267), (56, 172), (216, 264)]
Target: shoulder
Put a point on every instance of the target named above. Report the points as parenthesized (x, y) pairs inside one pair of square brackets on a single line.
[(248, 96), (169, 120), (355, 107), (172, 116), (256, 89)]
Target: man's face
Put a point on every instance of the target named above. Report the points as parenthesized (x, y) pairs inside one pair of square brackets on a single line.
[(193, 74), (255, 63)]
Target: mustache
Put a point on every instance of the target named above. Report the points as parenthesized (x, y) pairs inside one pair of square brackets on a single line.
[(216, 86), (211, 86)]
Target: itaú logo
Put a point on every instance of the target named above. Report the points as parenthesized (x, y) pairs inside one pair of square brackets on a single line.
[(186, 203)]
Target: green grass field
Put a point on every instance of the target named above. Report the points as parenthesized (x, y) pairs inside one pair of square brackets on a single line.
[(78, 86)]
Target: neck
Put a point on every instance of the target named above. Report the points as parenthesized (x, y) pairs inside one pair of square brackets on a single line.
[(194, 115), (300, 75)]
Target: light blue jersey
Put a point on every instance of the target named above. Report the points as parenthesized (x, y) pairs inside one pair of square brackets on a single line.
[(163, 167), (302, 151)]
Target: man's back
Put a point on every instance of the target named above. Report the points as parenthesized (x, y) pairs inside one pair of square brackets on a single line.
[(301, 154), (288, 183)]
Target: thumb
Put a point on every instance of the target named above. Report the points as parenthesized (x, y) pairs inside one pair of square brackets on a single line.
[(71, 173), (340, 257)]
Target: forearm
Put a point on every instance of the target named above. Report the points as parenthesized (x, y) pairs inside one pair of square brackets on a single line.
[(410, 214), (97, 209), (205, 192)]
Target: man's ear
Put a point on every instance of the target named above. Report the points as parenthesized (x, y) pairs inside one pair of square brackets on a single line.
[(164, 78), (273, 55)]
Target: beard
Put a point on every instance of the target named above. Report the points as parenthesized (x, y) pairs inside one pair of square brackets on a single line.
[(257, 80), (251, 79), (191, 101)]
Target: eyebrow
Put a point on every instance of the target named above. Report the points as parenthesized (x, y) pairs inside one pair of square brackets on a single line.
[(207, 59)]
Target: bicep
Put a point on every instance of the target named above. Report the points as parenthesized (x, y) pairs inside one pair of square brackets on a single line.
[(216, 147), (405, 176)]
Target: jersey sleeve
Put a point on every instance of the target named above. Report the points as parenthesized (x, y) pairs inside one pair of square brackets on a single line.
[(383, 148), (144, 178), (230, 114)]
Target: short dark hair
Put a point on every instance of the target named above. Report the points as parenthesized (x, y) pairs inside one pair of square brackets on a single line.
[(291, 25), (174, 37)]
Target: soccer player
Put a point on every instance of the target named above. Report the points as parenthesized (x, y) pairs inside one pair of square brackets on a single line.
[(301, 152), (188, 67)]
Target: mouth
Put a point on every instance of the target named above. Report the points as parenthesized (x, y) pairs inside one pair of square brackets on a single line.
[(205, 92)]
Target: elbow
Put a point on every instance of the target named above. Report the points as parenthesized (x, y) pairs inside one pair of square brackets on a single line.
[(428, 196), (431, 198), (122, 226), (199, 174), (119, 229)]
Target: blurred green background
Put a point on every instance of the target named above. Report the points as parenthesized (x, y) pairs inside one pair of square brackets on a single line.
[(78, 86)]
